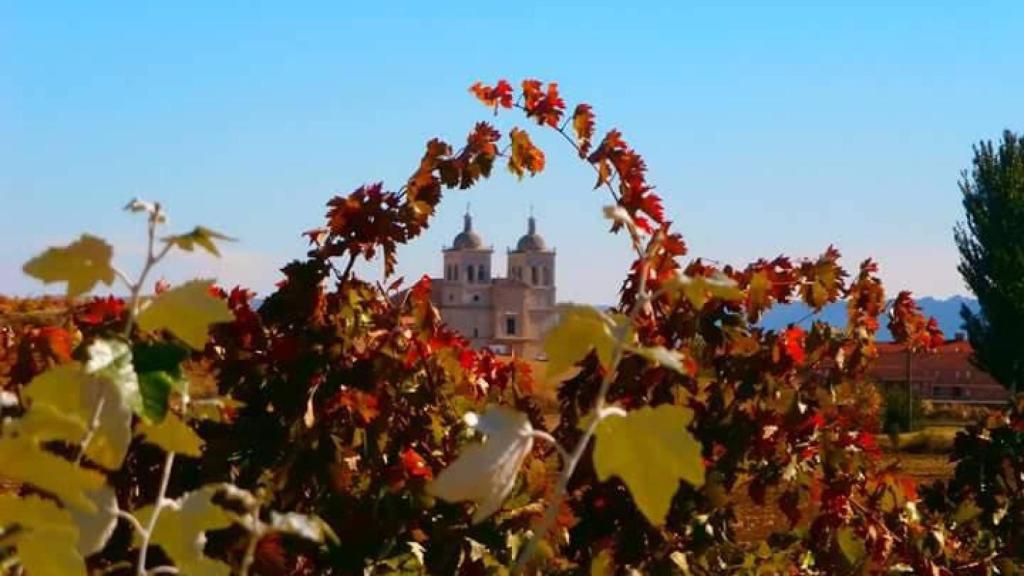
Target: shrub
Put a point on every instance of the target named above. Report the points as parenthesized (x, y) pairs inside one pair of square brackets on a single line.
[(351, 432)]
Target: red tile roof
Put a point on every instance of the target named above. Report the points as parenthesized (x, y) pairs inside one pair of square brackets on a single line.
[(945, 374)]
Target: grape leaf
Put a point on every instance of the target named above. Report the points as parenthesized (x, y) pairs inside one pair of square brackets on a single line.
[(698, 290), (307, 526), (159, 368), (82, 264), (200, 236), (180, 530), (851, 545), (46, 542), (581, 329), (95, 528), (24, 461), (583, 126), (650, 450), (173, 435), (525, 157), (187, 312), (662, 356), (485, 473), (62, 402)]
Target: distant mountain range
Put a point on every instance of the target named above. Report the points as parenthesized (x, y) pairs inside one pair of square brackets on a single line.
[(946, 312)]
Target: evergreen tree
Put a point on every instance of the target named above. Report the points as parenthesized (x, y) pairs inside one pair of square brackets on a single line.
[(991, 244)]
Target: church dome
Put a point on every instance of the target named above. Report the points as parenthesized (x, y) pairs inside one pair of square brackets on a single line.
[(468, 239), (531, 241)]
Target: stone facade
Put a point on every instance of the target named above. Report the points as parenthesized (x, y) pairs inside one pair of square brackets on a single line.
[(509, 314)]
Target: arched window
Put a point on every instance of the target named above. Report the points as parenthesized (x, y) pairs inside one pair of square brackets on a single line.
[(469, 273), (455, 273), (533, 276), (547, 276), (481, 274)]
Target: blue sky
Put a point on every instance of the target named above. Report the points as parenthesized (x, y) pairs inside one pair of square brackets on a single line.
[(768, 129)]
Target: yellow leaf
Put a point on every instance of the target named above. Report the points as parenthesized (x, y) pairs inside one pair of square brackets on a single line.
[(173, 435), (698, 290), (62, 401), (651, 451), (662, 357), (851, 545), (200, 236), (26, 462), (181, 531), (581, 329), (187, 312), (603, 564), (46, 542), (82, 264)]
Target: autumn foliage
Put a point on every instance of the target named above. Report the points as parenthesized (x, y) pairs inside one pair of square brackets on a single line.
[(333, 436)]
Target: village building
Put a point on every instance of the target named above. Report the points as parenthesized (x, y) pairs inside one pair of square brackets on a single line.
[(508, 314), (945, 375)]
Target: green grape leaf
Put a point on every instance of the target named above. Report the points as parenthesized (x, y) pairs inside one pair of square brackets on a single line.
[(581, 329), (159, 368), (62, 402), (851, 545), (173, 435), (187, 312), (200, 236), (651, 451), (46, 542), (180, 530), (82, 264), (24, 461)]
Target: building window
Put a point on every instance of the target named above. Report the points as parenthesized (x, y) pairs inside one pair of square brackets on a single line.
[(451, 297), (476, 332), (481, 274), (533, 275), (510, 325), (455, 273), (547, 276), (476, 297), (469, 273)]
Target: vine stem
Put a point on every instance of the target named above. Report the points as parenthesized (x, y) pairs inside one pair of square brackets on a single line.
[(255, 534), (161, 498), (571, 460), (152, 259), (599, 413)]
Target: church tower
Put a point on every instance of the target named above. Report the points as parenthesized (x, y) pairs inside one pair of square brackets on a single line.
[(532, 266), (531, 262), (466, 293)]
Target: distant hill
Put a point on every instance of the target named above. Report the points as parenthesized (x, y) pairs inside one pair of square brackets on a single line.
[(946, 312)]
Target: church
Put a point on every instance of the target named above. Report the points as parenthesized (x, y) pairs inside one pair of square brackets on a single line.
[(510, 314)]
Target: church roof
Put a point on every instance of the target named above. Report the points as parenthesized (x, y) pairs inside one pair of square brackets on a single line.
[(531, 241), (468, 239)]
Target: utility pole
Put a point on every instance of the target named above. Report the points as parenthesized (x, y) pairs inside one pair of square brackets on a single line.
[(910, 390)]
